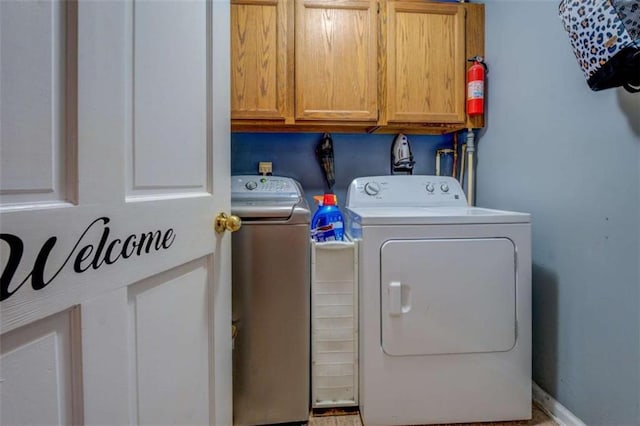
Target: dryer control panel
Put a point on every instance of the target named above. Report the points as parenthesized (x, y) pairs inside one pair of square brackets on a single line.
[(405, 190)]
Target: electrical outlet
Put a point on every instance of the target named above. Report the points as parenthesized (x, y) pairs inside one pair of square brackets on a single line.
[(265, 168)]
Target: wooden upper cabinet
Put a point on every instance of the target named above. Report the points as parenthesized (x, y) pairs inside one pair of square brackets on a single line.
[(425, 62), (336, 45), (262, 59), (353, 65)]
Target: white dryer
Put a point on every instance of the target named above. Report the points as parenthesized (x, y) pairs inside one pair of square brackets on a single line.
[(445, 303)]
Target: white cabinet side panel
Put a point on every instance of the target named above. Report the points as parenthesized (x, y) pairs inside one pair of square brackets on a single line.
[(171, 329), (32, 102), (169, 145)]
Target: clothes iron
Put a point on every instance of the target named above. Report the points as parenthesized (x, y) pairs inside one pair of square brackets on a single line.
[(401, 157)]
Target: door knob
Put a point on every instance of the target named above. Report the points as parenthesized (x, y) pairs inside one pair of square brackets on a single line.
[(224, 222)]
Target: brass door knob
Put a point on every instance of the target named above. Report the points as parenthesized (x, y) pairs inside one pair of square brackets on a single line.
[(224, 222)]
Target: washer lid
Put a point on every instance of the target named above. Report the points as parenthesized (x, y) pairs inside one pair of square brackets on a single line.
[(432, 215), (268, 198)]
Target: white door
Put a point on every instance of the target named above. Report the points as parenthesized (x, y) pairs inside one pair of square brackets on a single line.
[(114, 156)]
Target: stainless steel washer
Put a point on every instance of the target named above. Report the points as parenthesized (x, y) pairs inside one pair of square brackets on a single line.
[(271, 301)]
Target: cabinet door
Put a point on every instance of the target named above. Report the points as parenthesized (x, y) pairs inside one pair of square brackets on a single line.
[(425, 62), (336, 60), (262, 59)]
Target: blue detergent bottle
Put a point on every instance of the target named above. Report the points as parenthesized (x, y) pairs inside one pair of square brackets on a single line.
[(327, 223)]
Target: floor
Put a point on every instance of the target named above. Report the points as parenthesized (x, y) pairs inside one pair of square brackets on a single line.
[(539, 419)]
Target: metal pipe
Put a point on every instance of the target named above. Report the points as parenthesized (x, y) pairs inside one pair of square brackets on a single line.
[(454, 172), (471, 149), (463, 164)]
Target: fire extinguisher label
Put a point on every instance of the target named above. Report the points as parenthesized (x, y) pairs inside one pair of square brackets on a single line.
[(475, 89)]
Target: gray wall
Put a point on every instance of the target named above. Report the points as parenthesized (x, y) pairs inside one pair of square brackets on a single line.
[(571, 157)]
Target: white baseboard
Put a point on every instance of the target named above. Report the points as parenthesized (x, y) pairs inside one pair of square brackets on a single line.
[(558, 412)]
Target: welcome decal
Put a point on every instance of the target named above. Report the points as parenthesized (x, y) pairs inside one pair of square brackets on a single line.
[(84, 254)]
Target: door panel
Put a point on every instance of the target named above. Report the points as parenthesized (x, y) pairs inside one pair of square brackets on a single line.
[(169, 97), (39, 374), (445, 296), (262, 59), (170, 328), (149, 281), (255, 39), (336, 60), (425, 62), (33, 82)]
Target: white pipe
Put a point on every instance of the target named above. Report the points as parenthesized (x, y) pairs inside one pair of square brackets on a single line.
[(454, 173), (463, 168), (471, 149), (438, 163)]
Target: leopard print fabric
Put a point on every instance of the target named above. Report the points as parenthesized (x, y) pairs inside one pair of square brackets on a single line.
[(629, 13), (598, 29)]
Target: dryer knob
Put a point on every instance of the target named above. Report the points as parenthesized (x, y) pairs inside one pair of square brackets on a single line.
[(372, 188), (251, 185), (444, 187), (430, 187)]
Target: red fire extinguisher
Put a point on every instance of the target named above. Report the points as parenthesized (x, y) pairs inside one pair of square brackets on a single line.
[(475, 86)]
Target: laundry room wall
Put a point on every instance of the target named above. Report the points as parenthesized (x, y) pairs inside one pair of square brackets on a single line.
[(293, 155), (567, 155), (570, 157)]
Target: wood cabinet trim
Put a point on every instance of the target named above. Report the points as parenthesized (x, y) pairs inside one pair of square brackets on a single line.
[(426, 7), (287, 62), (382, 62), (474, 23), (255, 2), (278, 126), (337, 4)]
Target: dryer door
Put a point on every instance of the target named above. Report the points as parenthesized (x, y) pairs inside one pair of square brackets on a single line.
[(447, 296)]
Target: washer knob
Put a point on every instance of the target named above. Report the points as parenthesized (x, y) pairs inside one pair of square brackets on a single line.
[(430, 187), (372, 188), (444, 187), (251, 185)]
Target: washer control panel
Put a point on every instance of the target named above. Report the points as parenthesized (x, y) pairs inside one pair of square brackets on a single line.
[(372, 188), (264, 187), (405, 190)]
